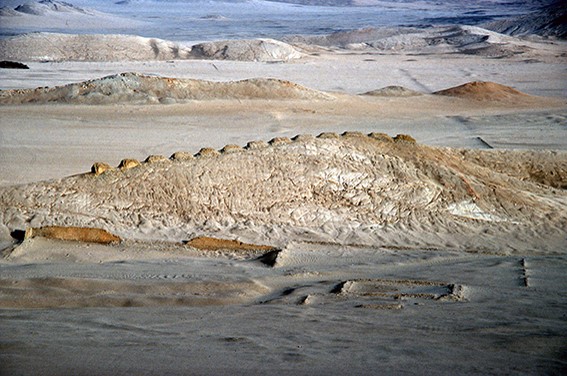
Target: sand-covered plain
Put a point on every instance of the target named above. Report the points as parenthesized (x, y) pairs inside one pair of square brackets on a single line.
[(252, 251)]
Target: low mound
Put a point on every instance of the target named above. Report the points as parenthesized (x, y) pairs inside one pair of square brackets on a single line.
[(393, 91), (141, 89), (348, 189), (397, 289), (483, 91), (56, 292), (268, 50), (89, 47)]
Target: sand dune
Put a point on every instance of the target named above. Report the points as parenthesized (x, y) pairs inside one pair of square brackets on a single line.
[(137, 88), (376, 190)]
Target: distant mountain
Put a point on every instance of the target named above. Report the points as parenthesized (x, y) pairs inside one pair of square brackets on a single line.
[(468, 40), (52, 15), (44, 6), (8, 12), (487, 4), (330, 3), (550, 21)]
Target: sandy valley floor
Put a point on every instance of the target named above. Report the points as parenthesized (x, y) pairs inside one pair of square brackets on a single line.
[(73, 137)]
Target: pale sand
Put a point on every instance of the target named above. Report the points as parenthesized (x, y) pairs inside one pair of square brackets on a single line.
[(468, 278), (335, 308)]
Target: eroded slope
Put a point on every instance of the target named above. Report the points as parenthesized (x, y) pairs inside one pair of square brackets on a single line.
[(352, 189)]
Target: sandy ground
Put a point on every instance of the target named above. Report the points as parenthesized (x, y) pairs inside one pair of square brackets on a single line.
[(336, 301), (290, 318)]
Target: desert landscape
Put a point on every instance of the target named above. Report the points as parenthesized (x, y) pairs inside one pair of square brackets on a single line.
[(247, 189)]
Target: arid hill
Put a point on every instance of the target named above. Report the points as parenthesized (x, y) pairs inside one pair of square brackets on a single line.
[(269, 50), (45, 7), (138, 88), (462, 39), (483, 91), (353, 189), (59, 15), (118, 47), (550, 21), (89, 47)]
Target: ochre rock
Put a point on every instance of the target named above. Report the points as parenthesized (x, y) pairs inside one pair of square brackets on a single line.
[(81, 234)]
